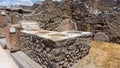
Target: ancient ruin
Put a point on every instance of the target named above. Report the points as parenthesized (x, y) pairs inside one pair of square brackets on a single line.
[(55, 49), (88, 15), (57, 34)]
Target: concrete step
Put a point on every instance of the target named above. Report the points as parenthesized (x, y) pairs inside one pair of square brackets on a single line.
[(23, 61)]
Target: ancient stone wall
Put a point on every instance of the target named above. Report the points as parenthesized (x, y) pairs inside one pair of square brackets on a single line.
[(55, 54)]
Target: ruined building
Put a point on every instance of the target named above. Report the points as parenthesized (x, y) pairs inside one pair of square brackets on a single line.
[(88, 15)]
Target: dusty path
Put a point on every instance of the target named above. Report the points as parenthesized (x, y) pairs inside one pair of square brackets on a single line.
[(6, 60)]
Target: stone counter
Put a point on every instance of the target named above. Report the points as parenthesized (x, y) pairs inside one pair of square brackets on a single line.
[(55, 49)]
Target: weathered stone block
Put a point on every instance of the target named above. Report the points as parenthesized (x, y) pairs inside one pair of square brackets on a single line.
[(13, 37)]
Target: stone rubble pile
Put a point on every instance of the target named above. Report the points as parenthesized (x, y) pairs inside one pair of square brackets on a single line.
[(88, 15), (51, 14)]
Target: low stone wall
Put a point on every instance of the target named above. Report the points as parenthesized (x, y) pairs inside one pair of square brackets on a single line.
[(55, 54)]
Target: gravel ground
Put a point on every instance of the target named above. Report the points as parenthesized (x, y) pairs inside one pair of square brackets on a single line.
[(102, 55)]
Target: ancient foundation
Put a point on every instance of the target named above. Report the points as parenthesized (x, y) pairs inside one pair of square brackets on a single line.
[(55, 49)]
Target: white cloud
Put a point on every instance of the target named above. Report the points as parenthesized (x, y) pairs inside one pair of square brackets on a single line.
[(23, 2), (56, 0), (42, 0)]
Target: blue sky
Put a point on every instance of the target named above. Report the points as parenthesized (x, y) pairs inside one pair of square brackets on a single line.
[(9, 0), (13, 2), (34, 0), (19, 2)]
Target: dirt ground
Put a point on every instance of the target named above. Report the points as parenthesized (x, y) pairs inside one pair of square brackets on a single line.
[(102, 55)]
